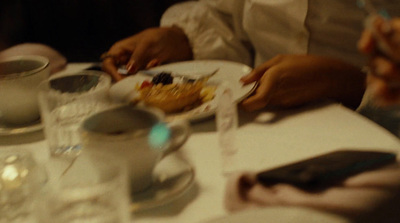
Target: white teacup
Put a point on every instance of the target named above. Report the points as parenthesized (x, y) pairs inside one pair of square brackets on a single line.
[(19, 80), (136, 134)]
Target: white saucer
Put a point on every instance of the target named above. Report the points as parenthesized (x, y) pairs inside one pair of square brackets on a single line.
[(6, 130), (173, 176)]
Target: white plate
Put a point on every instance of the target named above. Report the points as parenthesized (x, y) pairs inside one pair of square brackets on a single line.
[(228, 73), (281, 215), (173, 176), (6, 129)]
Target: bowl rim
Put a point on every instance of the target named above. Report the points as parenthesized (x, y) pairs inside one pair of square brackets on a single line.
[(44, 60)]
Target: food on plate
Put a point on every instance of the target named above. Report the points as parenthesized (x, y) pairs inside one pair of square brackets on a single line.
[(162, 92), (163, 78)]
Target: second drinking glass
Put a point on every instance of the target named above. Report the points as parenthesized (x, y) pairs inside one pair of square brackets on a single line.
[(65, 101)]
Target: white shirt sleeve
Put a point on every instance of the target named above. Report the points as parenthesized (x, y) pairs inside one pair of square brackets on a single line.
[(211, 29)]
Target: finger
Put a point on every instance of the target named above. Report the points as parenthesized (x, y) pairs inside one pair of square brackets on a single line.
[(153, 63), (261, 97), (139, 58), (254, 75), (394, 38), (395, 26), (121, 52), (382, 93), (385, 69), (387, 36), (366, 44), (258, 72), (110, 67)]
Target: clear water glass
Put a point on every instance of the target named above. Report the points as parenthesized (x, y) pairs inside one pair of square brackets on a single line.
[(93, 190), (21, 182), (227, 124), (65, 102)]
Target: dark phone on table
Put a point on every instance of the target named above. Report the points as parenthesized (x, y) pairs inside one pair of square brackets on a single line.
[(327, 169)]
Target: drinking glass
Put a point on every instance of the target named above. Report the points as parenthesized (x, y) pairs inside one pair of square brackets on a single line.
[(21, 182), (65, 101), (94, 189), (227, 123)]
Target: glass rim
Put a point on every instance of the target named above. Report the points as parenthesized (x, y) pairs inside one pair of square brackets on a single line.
[(103, 82)]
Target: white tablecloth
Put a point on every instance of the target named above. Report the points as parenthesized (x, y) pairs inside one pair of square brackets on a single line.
[(264, 139)]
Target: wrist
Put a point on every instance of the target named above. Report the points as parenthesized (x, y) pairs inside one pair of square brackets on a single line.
[(185, 46), (350, 86)]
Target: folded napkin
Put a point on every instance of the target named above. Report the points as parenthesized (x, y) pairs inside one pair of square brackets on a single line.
[(354, 197)]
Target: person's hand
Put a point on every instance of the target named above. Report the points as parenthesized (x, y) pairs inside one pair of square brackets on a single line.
[(292, 80), (146, 49), (381, 42), (381, 38)]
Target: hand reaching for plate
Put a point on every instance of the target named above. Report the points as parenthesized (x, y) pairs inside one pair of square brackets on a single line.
[(292, 80), (147, 49)]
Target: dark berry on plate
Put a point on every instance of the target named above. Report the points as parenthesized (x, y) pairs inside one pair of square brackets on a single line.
[(162, 78)]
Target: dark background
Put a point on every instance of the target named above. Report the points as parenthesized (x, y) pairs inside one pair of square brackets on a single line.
[(79, 29)]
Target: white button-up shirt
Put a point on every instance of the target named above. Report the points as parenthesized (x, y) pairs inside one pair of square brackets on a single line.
[(254, 31)]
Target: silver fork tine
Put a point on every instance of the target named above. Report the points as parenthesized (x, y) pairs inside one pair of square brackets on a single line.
[(203, 77)]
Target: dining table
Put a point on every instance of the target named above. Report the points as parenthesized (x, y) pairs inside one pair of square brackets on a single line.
[(263, 139)]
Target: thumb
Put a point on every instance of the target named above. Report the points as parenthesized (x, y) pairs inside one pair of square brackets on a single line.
[(251, 77), (258, 72), (109, 67)]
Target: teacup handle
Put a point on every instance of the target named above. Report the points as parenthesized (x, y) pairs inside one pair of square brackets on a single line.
[(180, 132)]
